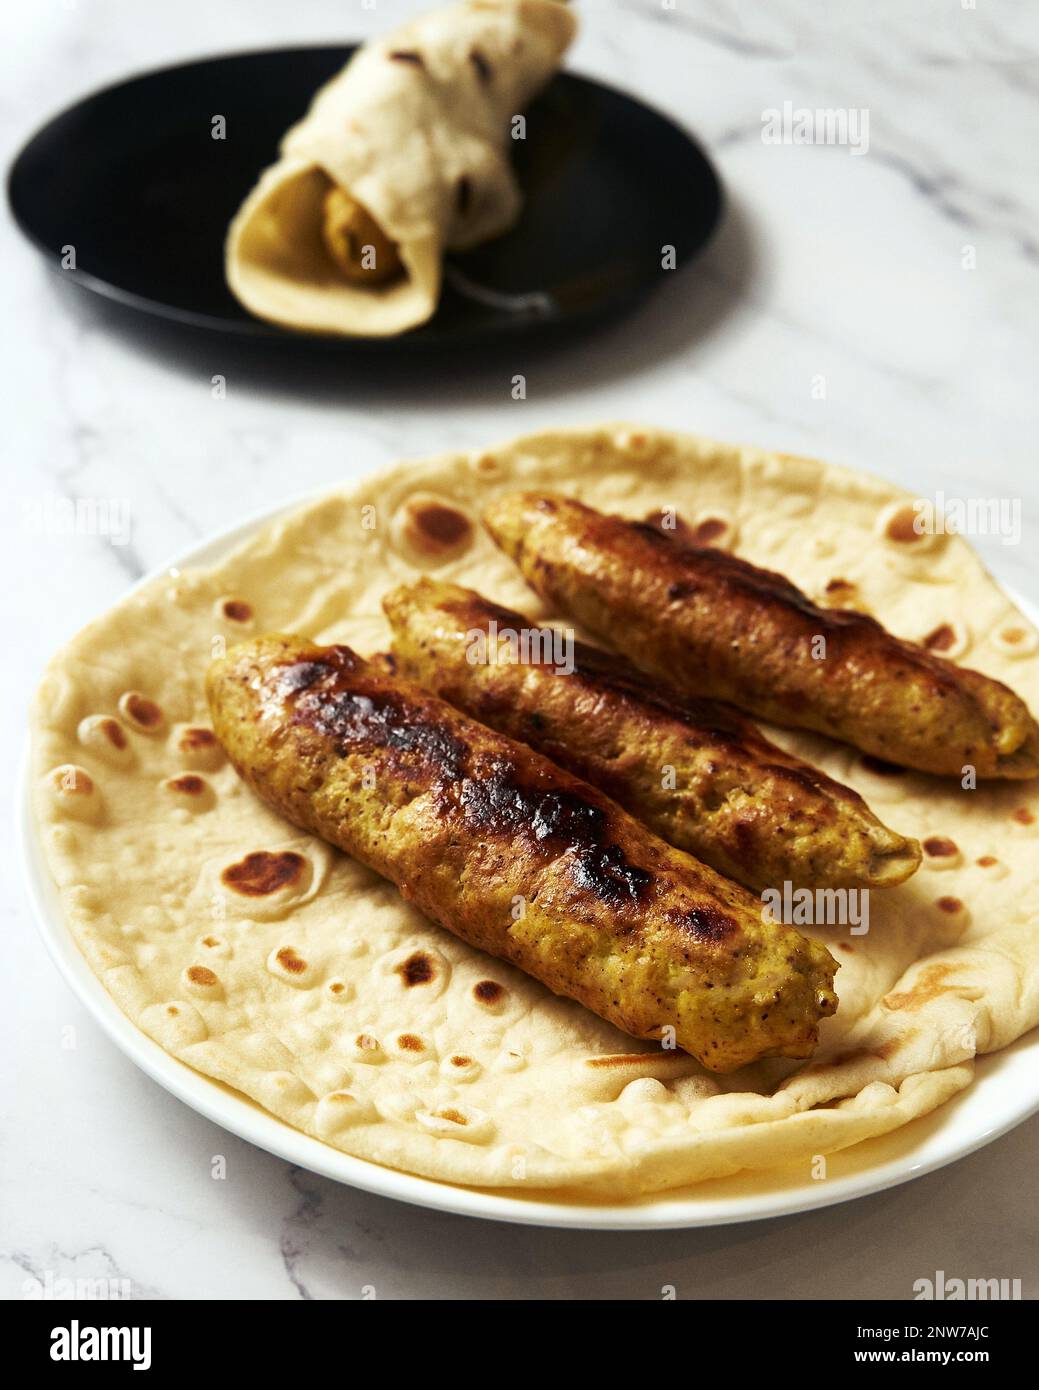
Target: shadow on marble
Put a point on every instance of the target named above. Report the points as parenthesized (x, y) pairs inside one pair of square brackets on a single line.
[(672, 320)]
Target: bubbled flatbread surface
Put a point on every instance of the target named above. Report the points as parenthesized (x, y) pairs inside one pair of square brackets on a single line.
[(268, 960)]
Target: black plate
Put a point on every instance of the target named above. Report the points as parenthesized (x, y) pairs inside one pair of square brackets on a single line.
[(132, 178)]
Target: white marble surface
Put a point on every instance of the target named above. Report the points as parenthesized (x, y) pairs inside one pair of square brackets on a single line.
[(830, 264)]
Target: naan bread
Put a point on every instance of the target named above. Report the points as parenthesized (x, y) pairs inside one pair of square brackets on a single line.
[(417, 130), (265, 959)]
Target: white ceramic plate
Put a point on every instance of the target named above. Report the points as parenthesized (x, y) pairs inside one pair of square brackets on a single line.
[(1004, 1092)]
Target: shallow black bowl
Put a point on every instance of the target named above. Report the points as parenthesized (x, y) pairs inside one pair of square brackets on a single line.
[(133, 180)]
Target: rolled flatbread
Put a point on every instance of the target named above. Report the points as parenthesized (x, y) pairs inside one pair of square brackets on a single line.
[(402, 156)]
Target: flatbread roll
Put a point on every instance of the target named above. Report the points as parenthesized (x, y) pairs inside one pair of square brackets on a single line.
[(404, 155)]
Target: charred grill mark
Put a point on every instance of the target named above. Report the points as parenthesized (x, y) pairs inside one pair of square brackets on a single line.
[(464, 194), (606, 872), (486, 791), (357, 722), (500, 802), (369, 718), (497, 802), (301, 676), (705, 923), (692, 568)]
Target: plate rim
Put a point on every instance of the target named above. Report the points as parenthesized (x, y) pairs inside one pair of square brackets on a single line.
[(261, 332), (235, 1112)]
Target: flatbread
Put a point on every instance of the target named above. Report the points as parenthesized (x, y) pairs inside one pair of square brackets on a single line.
[(416, 128), (315, 990)]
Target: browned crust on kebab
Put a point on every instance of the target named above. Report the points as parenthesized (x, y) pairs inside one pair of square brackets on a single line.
[(732, 798), (466, 823), (726, 629)]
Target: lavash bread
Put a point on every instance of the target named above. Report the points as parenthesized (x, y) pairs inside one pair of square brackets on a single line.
[(270, 962), (416, 128)]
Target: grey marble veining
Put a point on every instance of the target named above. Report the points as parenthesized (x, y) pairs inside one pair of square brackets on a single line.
[(828, 264)]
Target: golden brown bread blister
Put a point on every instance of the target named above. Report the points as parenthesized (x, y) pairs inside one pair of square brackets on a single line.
[(516, 856), (725, 629), (695, 771)]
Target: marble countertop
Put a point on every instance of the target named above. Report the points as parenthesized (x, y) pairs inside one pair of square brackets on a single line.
[(905, 277)]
